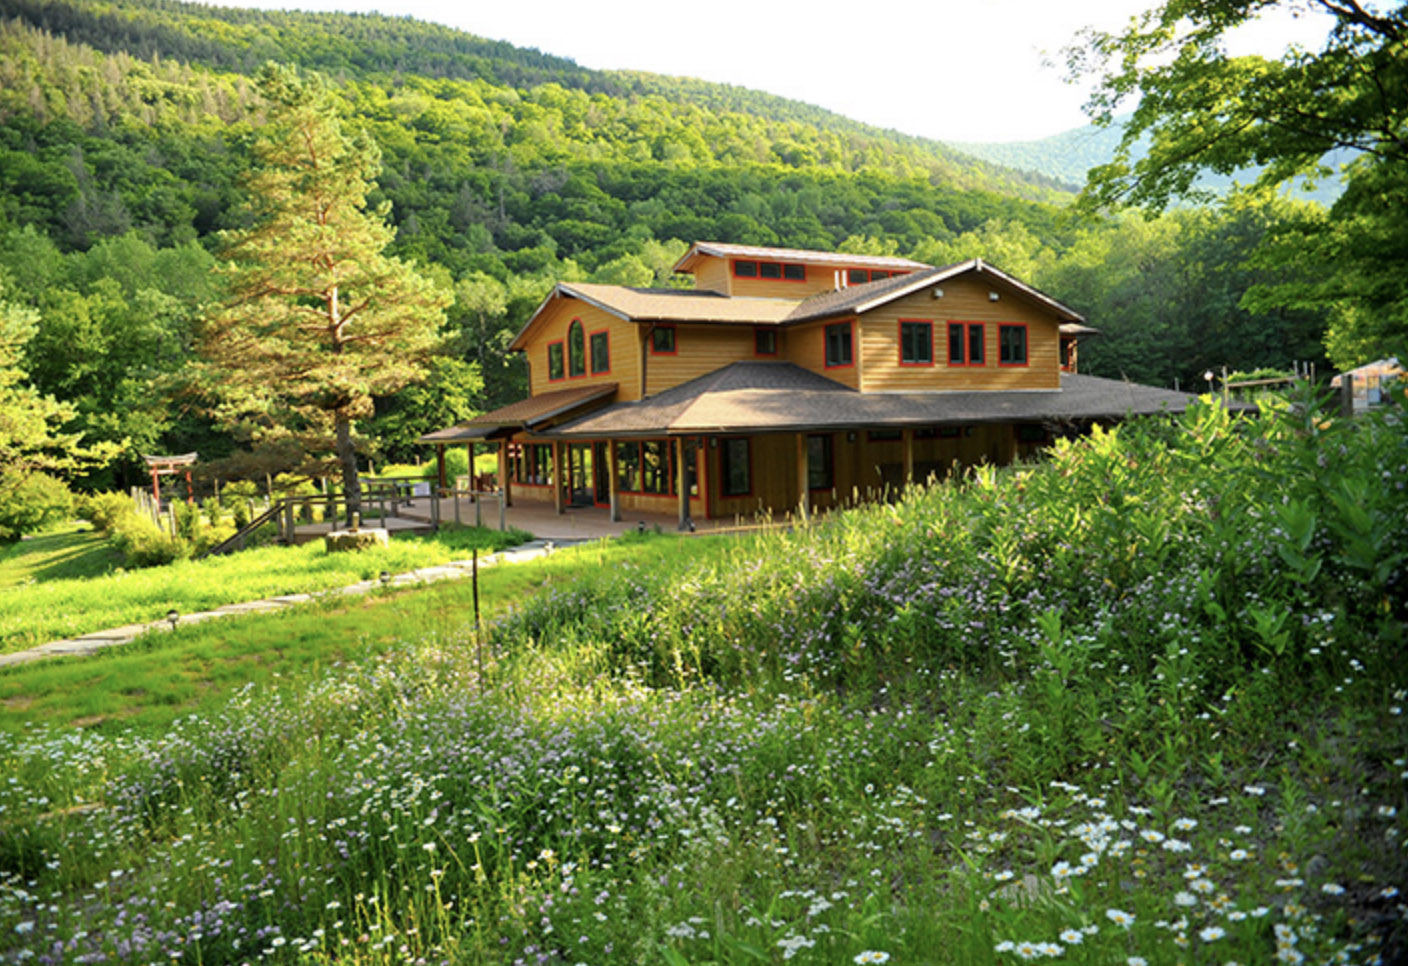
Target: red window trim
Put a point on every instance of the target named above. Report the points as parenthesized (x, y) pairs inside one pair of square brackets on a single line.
[(1026, 345), (782, 268), (591, 356), (586, 351), (722, 476), (967, 327), (673, 352), (850, 323), (899, 338), (670, 469), (551, 377), (759, 330)]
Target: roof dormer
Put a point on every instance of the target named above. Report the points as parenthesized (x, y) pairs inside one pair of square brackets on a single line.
[(795, 273)]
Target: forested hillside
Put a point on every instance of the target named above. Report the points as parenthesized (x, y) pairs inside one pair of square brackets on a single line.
[(125, 131)]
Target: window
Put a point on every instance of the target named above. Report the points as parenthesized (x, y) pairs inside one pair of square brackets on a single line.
[(820, 470), (785, 271), (965, 344), (532, 464), (1012, 345), (655, 466), (628, 466), (857, 276), (555, 371), (838, 345), (764, 342), (916, 343), (576, 350), (662, 340), (883, 435), (734, 475), (601, 352)]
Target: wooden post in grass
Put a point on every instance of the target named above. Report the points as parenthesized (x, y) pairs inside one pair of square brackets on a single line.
[(681, 483), (803, 502), (612, 481), (478, 639)]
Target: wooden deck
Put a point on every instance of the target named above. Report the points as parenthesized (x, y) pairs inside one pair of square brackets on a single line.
[(589, 523)]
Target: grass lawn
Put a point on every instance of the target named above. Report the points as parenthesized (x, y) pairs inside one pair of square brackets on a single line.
[(147, 684), (71, 553), (68, 603)]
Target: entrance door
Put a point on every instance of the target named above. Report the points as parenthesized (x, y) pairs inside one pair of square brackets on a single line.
[(579, 473), (602, 471)]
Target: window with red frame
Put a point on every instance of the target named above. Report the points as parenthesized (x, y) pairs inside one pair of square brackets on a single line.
[(555, 366), (916, 343), (965, 344), (576, 350), (662, 340), (601, 352), (1012, 345), (838, 346)]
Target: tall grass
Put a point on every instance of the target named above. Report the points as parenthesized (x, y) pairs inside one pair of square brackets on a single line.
[(34, 613), (1140, 704)]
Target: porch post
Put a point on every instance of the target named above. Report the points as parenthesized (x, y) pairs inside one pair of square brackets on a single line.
[(440, 464), (613, 484), (503, 472), (681, 483), (469, 452), (803, 497), (557, 475), (908, 435)]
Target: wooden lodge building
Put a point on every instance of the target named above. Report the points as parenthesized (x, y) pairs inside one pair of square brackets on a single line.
[(788, 379)]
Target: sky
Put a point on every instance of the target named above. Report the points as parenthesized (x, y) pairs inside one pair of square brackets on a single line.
[(979, 70)]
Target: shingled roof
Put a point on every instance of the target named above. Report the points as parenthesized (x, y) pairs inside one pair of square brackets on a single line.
[(779, 396), (527, 413), (806, 256)]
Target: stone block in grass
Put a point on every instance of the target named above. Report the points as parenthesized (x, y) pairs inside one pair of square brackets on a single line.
[(340, 540)]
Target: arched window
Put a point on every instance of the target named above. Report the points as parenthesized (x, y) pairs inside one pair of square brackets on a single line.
[(576, 349)]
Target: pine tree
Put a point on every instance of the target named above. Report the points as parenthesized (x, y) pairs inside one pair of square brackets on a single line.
[(319, 321)]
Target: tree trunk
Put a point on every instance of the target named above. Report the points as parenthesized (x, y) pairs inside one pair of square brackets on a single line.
[(347, 457)]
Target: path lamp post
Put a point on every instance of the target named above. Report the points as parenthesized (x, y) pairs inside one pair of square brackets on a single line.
[(172, 617)]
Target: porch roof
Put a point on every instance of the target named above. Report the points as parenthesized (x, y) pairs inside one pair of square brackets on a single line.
[(749, 397), (527, 413)]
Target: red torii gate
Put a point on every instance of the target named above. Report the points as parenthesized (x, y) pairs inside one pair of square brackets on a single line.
[(168, 465)]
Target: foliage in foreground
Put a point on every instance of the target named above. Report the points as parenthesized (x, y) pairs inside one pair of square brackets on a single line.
[(35, 613), (1141, 704)]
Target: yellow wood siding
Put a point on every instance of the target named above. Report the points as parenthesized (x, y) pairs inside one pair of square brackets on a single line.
[(624, 346), (699, 349), (806, 347), (716, 275), (965, 300), (712, 275)]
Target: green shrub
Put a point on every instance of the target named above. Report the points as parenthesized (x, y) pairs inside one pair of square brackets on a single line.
[(238, 492), (212, 535), (29, 502), (214, 512), (104, 510), (240, 509), (144, 544), (187, 520)]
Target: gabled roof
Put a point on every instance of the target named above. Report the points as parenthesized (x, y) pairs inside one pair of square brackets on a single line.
[(525, 414), (806, 256), (695, 305), (781, 397)]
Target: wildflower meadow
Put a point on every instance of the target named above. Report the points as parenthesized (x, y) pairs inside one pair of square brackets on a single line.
[(1141, 703)]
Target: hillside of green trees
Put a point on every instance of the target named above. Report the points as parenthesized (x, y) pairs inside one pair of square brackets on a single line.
[(126, 127)]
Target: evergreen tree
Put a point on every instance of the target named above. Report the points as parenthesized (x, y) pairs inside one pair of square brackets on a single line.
[(319, 320)]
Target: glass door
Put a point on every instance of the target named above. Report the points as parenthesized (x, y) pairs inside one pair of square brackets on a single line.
[(602, 466), (579, 464)]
